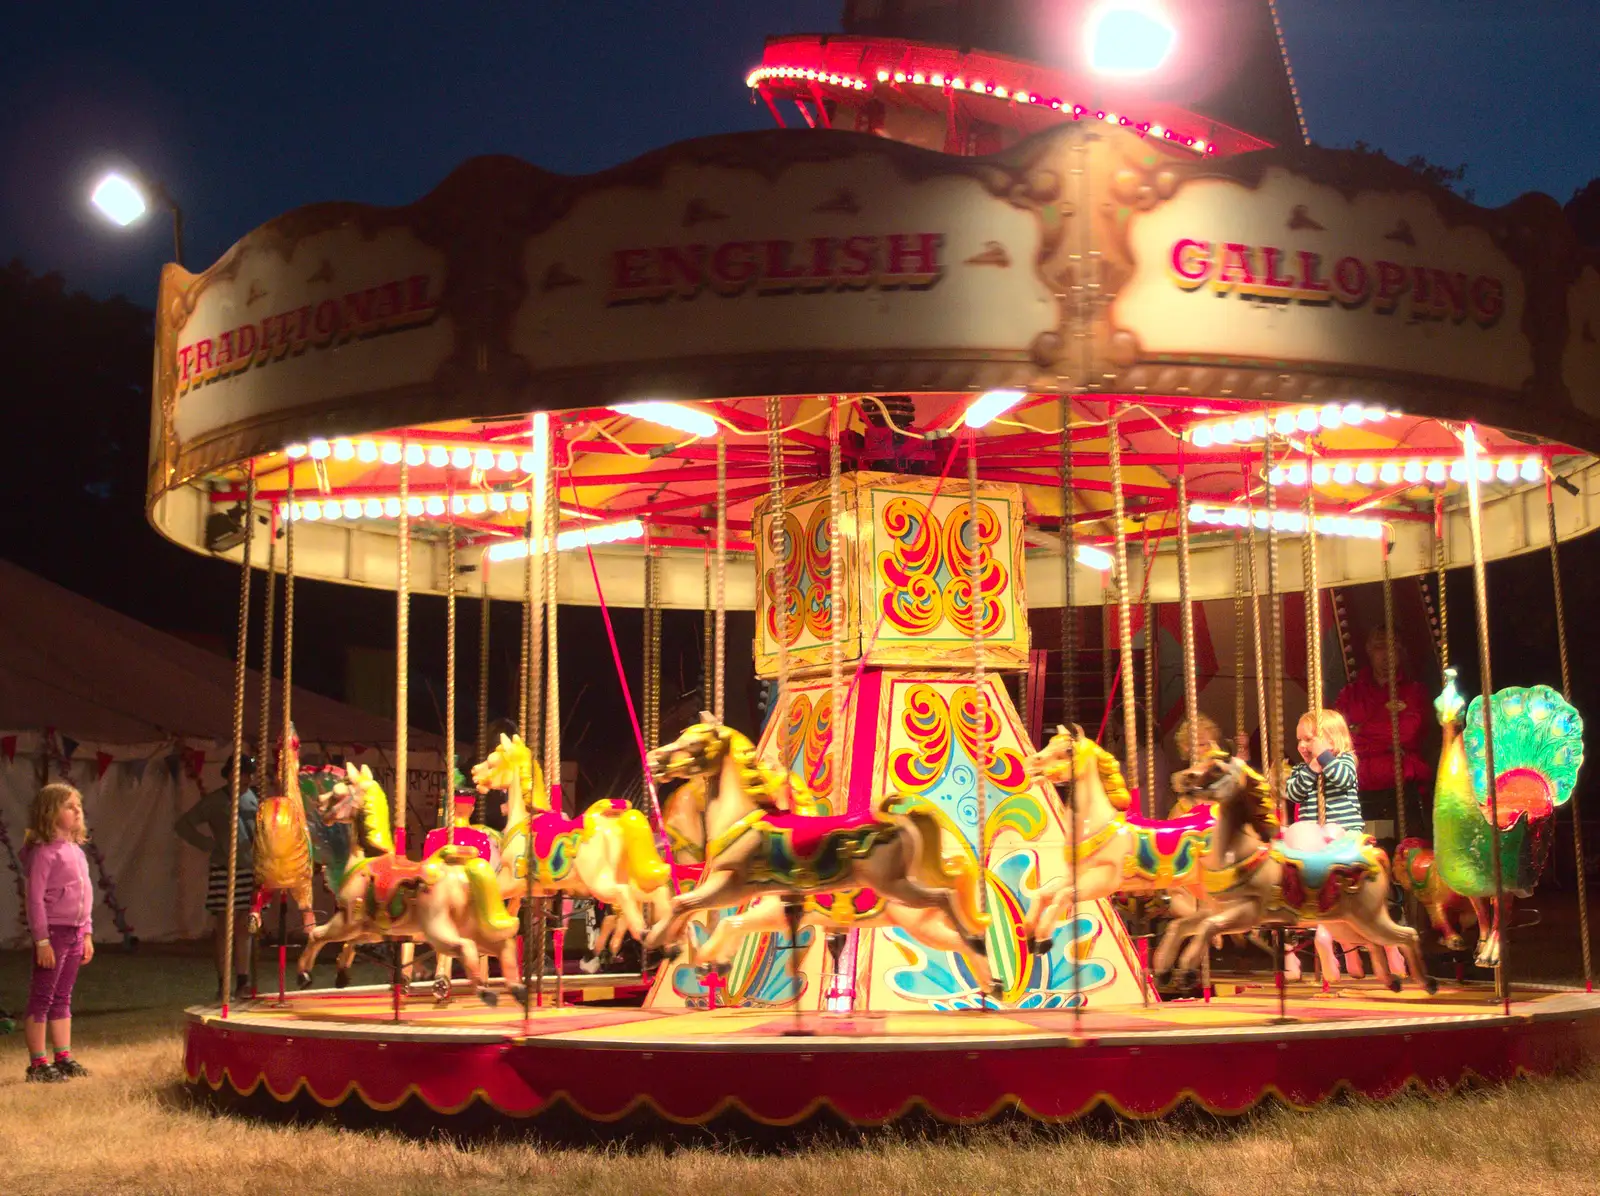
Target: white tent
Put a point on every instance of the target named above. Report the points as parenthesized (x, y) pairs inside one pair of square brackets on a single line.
[(142, 722)]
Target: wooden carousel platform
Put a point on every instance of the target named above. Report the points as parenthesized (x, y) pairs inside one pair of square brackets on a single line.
[(630, 1066)]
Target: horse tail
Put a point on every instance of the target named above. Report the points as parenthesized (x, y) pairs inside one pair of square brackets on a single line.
[(955, 870), (484, 888), (647, 871)]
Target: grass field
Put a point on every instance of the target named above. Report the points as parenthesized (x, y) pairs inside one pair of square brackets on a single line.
[(132, 1127)]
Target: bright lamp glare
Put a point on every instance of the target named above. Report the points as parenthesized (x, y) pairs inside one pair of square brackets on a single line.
[(989, 405), (1129, 37), (119, 200), (670, 415), (1093, 557)]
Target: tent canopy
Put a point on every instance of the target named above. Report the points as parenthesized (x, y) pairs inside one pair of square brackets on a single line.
[(70, 664)]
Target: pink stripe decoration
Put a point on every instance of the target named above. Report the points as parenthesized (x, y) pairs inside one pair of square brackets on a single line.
[(864, 741)]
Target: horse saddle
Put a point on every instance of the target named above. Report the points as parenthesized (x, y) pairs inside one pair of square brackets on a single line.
[(1313, 877), (1167, 847), (807, 834), (389, 872), (465, 839)]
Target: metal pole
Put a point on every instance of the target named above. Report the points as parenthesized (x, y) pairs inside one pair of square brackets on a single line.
[(234, 779), (1130, 717), (402, 679), (1191, 684), (975, 605), (447, 790), (1069, 564), (291, 783), (720, 647), (1566, 692), (1480, 587)]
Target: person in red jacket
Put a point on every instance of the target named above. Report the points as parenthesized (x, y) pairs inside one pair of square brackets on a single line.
[(1364, 702)]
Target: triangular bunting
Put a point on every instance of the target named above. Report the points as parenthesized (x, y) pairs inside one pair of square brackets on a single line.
[(69, 747), (8, 748), (102, 761)]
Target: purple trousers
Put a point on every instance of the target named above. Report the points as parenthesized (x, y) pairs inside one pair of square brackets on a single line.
[(50, 991)]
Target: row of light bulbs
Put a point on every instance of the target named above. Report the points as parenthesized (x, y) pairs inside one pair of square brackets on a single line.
[(1246, 429), (984, 88), (417, 505), (392, 452), (1290, 522), (1414, 471)]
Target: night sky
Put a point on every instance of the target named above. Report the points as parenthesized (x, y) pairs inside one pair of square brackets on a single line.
[(246, 111)]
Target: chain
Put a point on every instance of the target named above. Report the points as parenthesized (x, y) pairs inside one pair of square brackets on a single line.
[(1264, 747), (838, 603), (1069, 565), (290, 783), (1150, 674), (447, 796), (1274, 608), (1438, 573), (1191, 685), (780, 548), (980, 687), (264, 732), (478, 810), (1308, 570), (402, 649), (1393, 683), (552, 657), (719, 671), (1240, 730), (1130, 715)]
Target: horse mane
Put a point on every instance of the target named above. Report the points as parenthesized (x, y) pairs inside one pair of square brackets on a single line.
[(1111, 779), (762, 780)]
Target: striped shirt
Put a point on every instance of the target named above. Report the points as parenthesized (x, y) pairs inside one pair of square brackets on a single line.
[(1339, 791)]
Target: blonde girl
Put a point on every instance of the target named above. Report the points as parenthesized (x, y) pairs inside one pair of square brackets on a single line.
[(60, 904)]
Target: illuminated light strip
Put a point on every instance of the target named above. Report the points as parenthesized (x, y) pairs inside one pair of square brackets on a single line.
[(605, 533), (762, 73), (980, 87), (1290, 522), (1414, 471), (417, 453), (1249, 429), (1095, 558), (418, 505)]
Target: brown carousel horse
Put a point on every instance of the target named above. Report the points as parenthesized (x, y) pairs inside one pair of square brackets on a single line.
[(450, 900), (1255, 879), (757, 843)]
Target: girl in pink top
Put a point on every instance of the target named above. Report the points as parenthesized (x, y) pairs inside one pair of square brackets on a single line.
[(60, 904)]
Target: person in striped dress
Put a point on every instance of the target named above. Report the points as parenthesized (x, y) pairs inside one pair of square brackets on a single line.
[(205, 826)]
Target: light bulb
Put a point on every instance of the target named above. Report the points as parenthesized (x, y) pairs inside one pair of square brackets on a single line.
[(367, 452), (438, 456), (507, 462), (389, 454), (320, 450), (415, 455), (343, 450), (461, 458)]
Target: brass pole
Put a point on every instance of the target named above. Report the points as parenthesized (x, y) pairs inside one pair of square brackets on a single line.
[(1480, 587), (237, 770)]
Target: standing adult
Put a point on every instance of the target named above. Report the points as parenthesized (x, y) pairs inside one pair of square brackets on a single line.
[(1364, 702), (205, 826)]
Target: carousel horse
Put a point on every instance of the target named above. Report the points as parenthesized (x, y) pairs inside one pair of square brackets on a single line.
[(1538, 749), (680, 819), (832, 912), (757, 843), (450, 900), (286, 852), (1253, 878), (1117, 851), (608, 853)]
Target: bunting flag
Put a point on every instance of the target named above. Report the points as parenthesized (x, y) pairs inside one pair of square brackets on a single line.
[(195, 761), (69, 748), (175, 764), (102, 761), (137, 767), (8, 747)]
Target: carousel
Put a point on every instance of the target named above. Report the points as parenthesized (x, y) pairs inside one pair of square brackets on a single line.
[(966, 387)]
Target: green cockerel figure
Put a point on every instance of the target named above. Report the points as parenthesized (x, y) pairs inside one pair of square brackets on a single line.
[(1538, 749)]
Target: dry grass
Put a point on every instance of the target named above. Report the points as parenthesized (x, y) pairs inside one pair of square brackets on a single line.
[(132, 1128)]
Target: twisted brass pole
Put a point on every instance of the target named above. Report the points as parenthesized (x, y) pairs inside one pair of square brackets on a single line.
[(236, 772)]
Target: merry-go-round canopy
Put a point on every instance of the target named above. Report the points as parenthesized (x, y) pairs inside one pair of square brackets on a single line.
[(1201, 293)]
